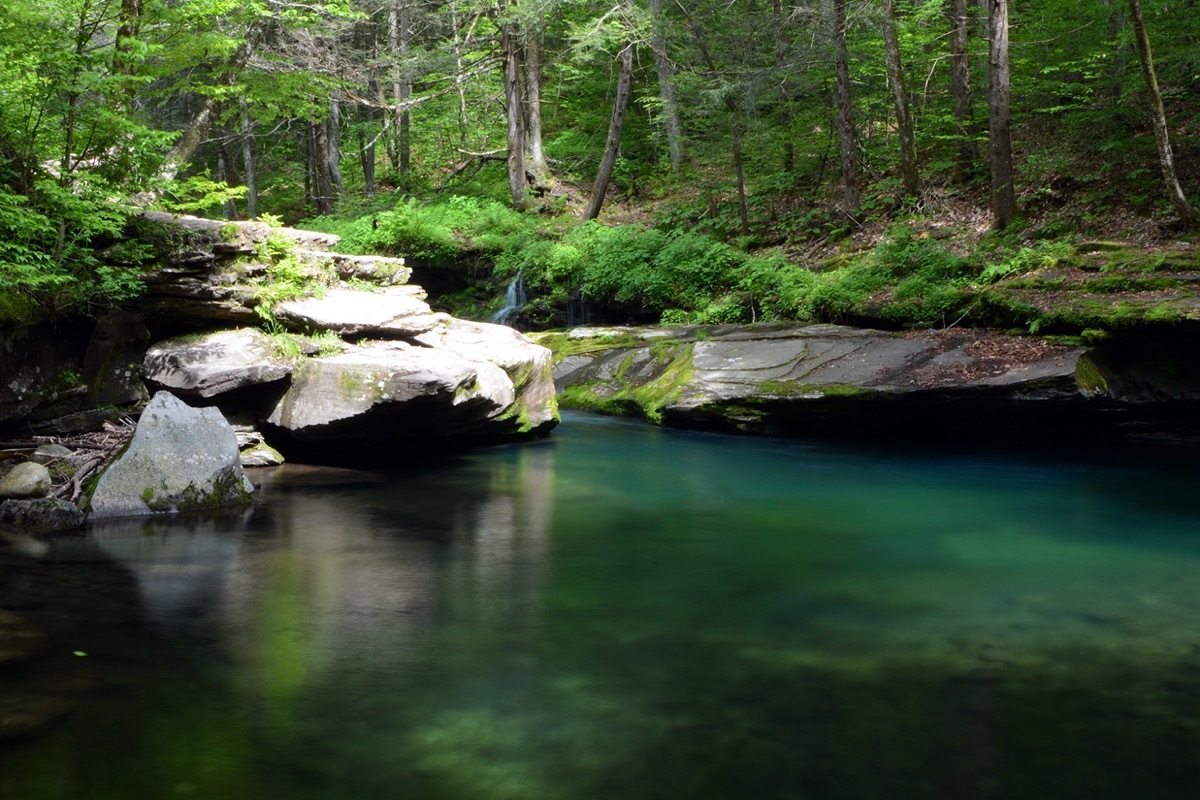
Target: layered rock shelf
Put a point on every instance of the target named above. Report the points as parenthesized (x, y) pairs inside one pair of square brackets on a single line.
[(965, 385), (295, 343)]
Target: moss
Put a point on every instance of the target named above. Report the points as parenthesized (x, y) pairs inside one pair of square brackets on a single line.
[(351, 382), (564, 346), (1091, 381), (230, 232), (794, 389), (635, 397), (227, 489)]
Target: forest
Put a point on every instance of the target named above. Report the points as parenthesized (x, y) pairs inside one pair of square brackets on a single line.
[(892, 161)]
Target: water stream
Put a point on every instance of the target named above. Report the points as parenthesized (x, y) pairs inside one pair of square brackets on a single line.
[(628, 612), (514, 300)]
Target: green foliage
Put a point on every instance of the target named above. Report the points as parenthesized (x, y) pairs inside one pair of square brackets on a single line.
[(199, 194)]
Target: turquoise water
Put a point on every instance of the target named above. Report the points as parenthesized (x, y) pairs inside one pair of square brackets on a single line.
[(627, 612)]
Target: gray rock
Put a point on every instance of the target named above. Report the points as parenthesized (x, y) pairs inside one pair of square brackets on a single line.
[(43, 515), (387, 391), (811, 379), (392, 312), (214, 363), (528, 365), (261, 455), (28, 479), (47, 453), (179, 459), (20, 640)]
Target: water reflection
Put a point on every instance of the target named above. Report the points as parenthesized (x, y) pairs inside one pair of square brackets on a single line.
[(630, 612)]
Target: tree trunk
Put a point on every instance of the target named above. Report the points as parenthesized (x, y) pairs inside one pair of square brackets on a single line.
[(1166, 158), (672, 127), (193, 135), (322, 190), (904, 123), (513, 96), (612, 145), (785, 95), (1004, 199), (227, 166), (960, 85), (733, 104), (399, 149), (537, 170), (333, 153), (845, 118), (249, 163)]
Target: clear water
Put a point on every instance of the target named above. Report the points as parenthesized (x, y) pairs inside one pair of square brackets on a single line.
[(627, 612)]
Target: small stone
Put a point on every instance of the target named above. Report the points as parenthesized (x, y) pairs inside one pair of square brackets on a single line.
[(29, 479), (50, 452), (261, 455)]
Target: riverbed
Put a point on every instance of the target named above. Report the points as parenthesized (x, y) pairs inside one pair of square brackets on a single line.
[(623, 611)]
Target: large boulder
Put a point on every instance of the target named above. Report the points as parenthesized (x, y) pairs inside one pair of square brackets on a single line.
[(211, 364), (179, 459), (529, 366), (387, 391)]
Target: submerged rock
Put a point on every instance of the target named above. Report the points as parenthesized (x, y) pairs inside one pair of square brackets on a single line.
[(24, 716), (20, 640), (41, 515), (179, 459)]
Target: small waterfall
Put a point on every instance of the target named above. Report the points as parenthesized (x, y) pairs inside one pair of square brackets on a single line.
[(514, 301)]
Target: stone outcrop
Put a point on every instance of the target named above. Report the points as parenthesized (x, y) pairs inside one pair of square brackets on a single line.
[(179, 459), (403, 371), (207, 365), (827, 379)]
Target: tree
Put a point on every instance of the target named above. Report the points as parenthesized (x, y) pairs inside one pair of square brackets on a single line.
[(1004, 199), (669, 111), (960, 83), (612, 144), (847, 134), (904, 123), (1166, 157)]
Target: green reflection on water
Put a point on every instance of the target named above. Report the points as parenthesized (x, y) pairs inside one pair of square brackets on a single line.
[(631, 612)]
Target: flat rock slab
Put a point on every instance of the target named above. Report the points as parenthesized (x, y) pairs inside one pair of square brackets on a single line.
[(215, 363), (799, 379), (395, 311)]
